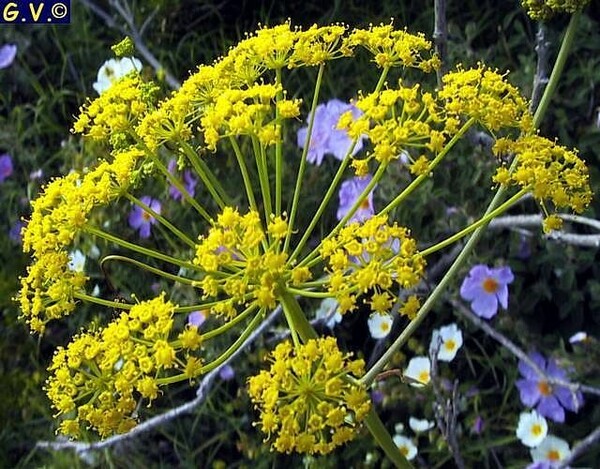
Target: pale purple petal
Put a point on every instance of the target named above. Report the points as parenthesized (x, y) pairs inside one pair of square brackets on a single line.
[(145, 230), (529, 372), (504, 275), (569, 400), (8, 53), (6, 167), (226, 373), (196, 318), (553, 370), (550, 408), (485, 306), (135, 218), (502, 295), (528, 391), (470, 288)]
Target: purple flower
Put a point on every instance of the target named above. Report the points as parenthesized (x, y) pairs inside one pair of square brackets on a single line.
[(6, 167), (349, 192), (485, 288), (478, 425), (189, 182), (8, 53), (141, 220), (15, 231), (226, 373), (325, 137), (549, 400), (196, 318)]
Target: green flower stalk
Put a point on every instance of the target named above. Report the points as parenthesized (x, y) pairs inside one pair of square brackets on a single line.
[(242, 258)]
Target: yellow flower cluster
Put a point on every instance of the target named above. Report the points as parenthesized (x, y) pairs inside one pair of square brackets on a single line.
[(369, 258), (394, 48), (308, 400), (58, 216), (550, 171), (239, 262), (486, 96), (394, 120), (97, 379), (246, 112), (116, 112), (228, 97), (546, 9)]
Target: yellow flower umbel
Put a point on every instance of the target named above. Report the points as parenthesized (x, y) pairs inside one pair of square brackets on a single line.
[(551, 172), (97, 380), (546, 9), (370, 258), (309, 401)]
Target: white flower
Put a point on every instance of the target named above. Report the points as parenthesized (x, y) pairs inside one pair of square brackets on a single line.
[(418, 371), (399, 427), (532, 428), (113, 69), (578, 337), (77, 261), (551, 449), (451, 340), (420, 425), (96, 290), (380, 325), (328, 310), (406, 446)]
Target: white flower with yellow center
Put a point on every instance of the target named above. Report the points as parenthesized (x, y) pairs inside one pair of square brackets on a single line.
[(451, 340), (380, 325), (551, 449), (406, 446), (418, 371), (532, 428)]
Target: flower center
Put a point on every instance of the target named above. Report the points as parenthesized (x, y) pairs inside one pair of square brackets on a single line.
[(536, 429), (404, 450), (544, 388), (146, 216), (489, 285), (384, 326), (364, 205), (424, 376), (553, 455), (450, 345)]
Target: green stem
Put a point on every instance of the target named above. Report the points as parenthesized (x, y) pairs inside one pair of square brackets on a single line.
[(162, 220), (300, 176), (237, 344), (154, 270), (171, 178), (385, 441), (332, 186), (244, 169), (139, 249), (210, 181), (359, 200), (296, 316), (469, 229), (559, 65), (263, 177), (100, 301), (225, 327), (308, 294), (278, 148), (417, 181)]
